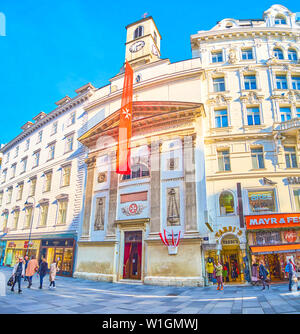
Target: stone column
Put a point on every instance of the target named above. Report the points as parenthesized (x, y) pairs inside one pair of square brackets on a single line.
[(113, 192), (155, 187), (190, 184), (91, 164)]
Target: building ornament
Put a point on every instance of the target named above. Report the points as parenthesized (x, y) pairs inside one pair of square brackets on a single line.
[(219, 100), (232, 56), (133, 209), (251, 98)]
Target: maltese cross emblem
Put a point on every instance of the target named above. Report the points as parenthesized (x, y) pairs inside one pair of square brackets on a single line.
[(126, 113)]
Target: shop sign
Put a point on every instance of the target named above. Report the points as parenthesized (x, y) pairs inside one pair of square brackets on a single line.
[(275, 220), (293, 180), (228, 229), (229, 241), (21, 244), (290, 236)]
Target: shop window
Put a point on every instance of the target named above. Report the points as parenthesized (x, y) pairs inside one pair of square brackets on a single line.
[(298, 112), (290, 157), (297, 199), (262, 201), (268, 238), (226, 201)]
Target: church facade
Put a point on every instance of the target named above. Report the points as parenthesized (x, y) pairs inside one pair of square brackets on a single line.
[(215, 152)]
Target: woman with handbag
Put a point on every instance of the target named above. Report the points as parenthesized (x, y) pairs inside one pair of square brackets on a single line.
[(32, 268)]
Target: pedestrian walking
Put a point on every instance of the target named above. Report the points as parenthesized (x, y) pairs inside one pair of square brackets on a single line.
[(290, 270), (53, 270), (32, 268), (42, 271), (18, 273), (219, 275), (263, 273), (26, 260)]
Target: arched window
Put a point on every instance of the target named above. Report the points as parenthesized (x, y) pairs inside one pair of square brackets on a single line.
[(138, 170), (139, 32), (280, 19), (226, 201), (292, 54), (278, 53)]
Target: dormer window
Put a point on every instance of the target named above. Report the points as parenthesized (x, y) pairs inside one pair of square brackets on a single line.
[(139, 32), (278, 53), (279, 19)]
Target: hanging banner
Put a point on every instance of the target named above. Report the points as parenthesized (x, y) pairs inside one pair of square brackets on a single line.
[(123, 149)]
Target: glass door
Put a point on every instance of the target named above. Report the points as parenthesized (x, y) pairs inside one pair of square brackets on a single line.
[(58, 258), (67, 262)]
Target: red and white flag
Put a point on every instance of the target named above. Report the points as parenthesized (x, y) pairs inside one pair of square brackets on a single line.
[(123, 149)]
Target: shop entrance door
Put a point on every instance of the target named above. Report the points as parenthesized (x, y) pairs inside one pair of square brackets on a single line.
[(230, 258), (132, 255)]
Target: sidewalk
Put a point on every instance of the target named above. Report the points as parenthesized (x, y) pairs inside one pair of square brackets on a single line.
[(74, 296)]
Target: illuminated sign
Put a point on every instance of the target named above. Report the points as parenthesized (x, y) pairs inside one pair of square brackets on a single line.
[(275, 220)]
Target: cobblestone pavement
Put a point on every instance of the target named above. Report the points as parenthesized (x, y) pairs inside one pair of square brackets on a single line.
[(73, 296)]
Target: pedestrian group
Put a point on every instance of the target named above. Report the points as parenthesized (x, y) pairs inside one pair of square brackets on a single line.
[(26, 269), (220, 271)]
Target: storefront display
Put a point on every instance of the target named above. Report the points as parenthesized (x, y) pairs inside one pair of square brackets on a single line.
[(274, 239), (62, 252), (17, 248), (262, 201), (229, 253)]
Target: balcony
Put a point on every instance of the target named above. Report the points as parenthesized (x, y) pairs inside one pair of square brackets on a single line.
[(290, 126)]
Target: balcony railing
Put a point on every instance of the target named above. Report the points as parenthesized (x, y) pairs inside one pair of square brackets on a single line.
[(293, 123)]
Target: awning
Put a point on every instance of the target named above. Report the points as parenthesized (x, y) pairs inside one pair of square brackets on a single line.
[(277, 249)]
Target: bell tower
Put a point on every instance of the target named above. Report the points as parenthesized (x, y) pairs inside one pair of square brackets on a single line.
[(142, 42)]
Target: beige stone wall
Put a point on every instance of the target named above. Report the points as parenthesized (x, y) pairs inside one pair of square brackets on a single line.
[(184, 268), (96, 262)]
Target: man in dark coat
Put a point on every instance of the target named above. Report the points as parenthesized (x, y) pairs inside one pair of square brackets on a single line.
[(263, 273), (18, 273), (43, 271)]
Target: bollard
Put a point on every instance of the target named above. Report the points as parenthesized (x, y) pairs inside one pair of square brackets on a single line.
[(2, 285)]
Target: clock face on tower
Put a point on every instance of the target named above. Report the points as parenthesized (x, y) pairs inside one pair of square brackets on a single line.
[(137, 46)]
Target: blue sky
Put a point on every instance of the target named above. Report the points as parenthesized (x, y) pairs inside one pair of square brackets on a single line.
[(53, 47)]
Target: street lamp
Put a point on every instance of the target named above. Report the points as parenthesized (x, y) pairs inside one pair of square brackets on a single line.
[(31, 222)]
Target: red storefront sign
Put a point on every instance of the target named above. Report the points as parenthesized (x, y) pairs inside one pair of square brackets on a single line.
[(273, 220), (290, 236)]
